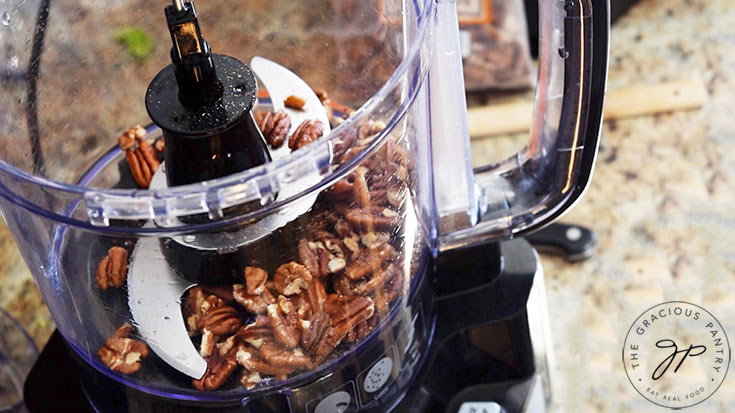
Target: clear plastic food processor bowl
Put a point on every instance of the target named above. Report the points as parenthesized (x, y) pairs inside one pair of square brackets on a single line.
[(336, 235)]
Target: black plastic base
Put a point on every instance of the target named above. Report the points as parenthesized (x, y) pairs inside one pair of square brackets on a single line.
[(481, 341)]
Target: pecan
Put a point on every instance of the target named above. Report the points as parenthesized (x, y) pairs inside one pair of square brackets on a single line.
[(222, 320), (139, 154), (363, 286), (219, 369), (291, 278), (342, 309), (312, 329), (336, 333), (362, 330), (247, 358), (113, 269), (121, 353), (274, 126), (371, 219), (209, 339), (360, 188), (294, 102), (282, 358), (159, 145), (284, 333), (250, 379), (221, 291), (308, 257), (255, 304), (364, 263), (255, 280), (316, 294), (306, 133), (255, 333), (322, 95)]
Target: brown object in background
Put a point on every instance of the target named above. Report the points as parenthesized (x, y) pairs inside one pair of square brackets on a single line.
[(625, 102), (495, 48)]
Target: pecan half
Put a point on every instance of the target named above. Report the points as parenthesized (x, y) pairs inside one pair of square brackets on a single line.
[(274, 126), (291, 278), (219, 369), (222, 320), (255, 279), (209, 339), (140, 155), (113, 269), (342, 309), (308, 256), (364, 263), (121, 353), (284, 333), (313, 329), (306, 133)]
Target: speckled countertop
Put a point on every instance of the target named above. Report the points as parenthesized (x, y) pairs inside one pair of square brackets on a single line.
[(662, 203)]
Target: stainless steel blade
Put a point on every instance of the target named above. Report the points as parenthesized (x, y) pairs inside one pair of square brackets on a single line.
[(154, 297)]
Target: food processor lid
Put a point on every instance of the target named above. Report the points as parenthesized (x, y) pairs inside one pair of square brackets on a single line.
[(108, 209)]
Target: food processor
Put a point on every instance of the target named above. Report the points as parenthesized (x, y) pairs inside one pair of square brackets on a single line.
[(296, 226)]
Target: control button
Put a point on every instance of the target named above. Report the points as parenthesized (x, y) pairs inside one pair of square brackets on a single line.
[(339, 400), (378, 375), (480, 407), (336, 402)]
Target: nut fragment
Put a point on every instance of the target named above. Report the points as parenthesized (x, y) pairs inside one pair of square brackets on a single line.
[(219, 369), (121, 353), (255, 304), (255, 279), (113, 269), (294, 102), (306, 133), (274, 126), (291, 278)]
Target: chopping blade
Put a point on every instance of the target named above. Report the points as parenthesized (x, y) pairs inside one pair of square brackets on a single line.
[(154, 288)]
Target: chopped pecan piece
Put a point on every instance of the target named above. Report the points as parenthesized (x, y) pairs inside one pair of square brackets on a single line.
[(284, 333), (248, 358), (113, 269), (364, 263), (306, 133), (373, 218), (255, 279), (209, 339), (322, 95), (274, 126), (294, 102), (282, 358), (219, 369), (250, 379), (121, 353), (222, 320), (291, 278), (255, 304)]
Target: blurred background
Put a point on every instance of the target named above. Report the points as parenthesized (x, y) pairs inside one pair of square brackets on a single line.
[(661, 200)]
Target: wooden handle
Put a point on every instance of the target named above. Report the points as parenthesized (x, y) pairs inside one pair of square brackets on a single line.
[(621, 103)]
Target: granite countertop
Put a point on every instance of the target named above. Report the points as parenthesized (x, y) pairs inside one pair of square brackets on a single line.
[(661, 203)]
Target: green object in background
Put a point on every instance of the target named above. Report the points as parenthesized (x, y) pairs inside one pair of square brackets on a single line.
[(136, 41)]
